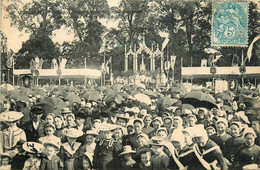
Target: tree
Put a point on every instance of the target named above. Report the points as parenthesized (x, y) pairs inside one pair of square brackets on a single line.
[(35, 16), (39, 45), (3, 50), (83, 17)]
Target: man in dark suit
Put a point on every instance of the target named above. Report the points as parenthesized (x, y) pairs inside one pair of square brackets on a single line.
[(34, 128)]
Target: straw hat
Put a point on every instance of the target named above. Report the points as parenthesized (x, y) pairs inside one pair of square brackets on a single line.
[(126, 150), (124, 116), (11, 116), (157, 141), (106, 127), (92, 132), (250, 166), (72, 132), (89, 156), (65, 110), (53, 144), (33, 147), (143, 135), (5, 155)]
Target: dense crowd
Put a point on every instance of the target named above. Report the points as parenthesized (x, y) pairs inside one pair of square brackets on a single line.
[(127, 127)]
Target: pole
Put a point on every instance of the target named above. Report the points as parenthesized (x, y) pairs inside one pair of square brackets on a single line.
[(181, 69), (243, 64)]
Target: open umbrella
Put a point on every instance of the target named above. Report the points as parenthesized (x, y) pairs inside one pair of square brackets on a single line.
[(7, 86), (166, 101), (199, 99), (223, 96), (143, 98), (150, 93), (91, 95), (227, 108), (73, 98)]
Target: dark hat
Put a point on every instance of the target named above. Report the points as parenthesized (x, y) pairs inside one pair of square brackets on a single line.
[(80, 114), (20, 142), (104, 114), (114, 110), (37, 110), (143, 150)]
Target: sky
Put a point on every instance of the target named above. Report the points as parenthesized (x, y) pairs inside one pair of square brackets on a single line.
[(15, 38)]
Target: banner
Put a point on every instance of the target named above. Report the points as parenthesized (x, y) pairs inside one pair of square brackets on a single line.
[(164, 44), (173, 59), (204, 63), (250, 48), (63, 63)]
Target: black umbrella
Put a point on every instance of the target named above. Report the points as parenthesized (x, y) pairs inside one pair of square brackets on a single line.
[(199, 99)]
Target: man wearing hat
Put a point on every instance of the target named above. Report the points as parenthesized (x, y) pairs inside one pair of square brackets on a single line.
[(34, 128), (206, 150), (12, 134), (113, 115)]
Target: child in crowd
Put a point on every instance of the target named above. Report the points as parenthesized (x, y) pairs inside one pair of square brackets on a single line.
[(20, 158), (34, 151), (5, 162), (127, 158), (162, 132), (70, 121), (50, 118), (106, 149), (58, 122), (90, 145), (49, 130), (210, 130), (51, 161), (71, 149), (142, 140), (85, 162), (145, 156), (159, 160), (118, 134)]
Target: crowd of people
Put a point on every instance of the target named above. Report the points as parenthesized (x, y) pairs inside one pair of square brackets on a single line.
[(123, 132)]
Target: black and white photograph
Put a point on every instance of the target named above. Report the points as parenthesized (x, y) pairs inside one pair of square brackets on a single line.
[(130, 85)]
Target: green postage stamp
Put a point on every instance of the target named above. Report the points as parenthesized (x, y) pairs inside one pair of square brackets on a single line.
[(229, 27)]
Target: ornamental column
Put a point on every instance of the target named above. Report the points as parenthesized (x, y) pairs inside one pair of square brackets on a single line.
[(126, 63), (126, 60), (135, 62), (161, 62)]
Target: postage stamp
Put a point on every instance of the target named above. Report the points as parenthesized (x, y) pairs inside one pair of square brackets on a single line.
[(229, 26)]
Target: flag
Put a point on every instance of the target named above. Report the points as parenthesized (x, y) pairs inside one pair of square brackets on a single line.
[(63, 63), (164, 44), (250, 48), (10, 58), (173, 59), (109, 61), (40, 64)]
